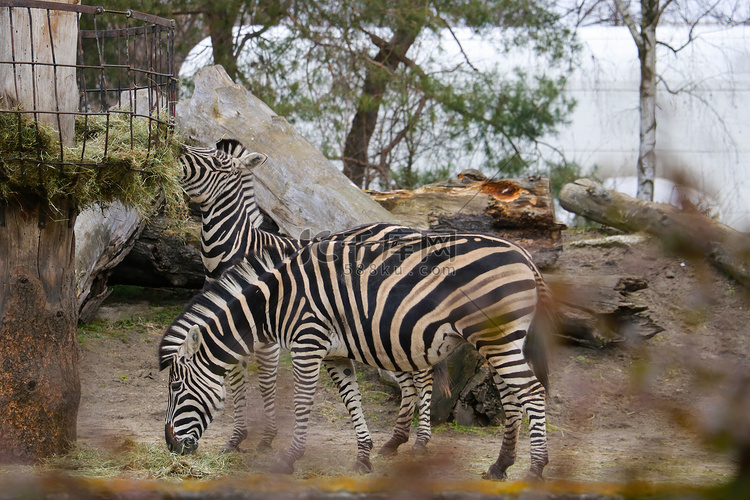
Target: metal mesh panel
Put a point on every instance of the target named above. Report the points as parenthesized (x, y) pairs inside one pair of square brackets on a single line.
[(123, 68)]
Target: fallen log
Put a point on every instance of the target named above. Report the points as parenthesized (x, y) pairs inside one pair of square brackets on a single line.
[(685, 232), (104, 236), (521, 210)]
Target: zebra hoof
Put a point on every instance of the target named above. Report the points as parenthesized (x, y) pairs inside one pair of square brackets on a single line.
[(363, 465), (420, 447), (263, 447), (495, 473), (229, 448), (282, 467), (533, 477), (388, 450)]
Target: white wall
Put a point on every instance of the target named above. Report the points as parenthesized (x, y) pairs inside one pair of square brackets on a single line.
[(704, 135)]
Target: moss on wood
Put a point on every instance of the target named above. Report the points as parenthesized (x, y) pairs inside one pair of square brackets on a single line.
[(107, 162)]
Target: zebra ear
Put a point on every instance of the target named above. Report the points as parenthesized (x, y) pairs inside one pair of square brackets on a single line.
[(254, 160), (191, 344)]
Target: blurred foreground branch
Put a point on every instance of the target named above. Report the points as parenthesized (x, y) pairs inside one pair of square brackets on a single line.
[(684, 232)]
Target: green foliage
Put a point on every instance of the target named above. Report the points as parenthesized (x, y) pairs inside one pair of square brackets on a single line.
[(437, 112), (117, 162)]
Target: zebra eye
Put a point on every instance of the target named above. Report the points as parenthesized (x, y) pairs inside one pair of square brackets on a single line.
[(176, 386)]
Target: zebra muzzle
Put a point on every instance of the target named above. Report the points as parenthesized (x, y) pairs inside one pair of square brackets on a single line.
[(179, 446)]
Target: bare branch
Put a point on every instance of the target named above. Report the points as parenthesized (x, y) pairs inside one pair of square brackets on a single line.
[(458, 42), (401, 134), (661, 11)]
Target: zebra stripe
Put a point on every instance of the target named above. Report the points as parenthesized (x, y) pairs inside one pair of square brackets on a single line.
[(221, 181), (402, 304)]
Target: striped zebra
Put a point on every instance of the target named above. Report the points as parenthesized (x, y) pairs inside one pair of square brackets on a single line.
[(401, 305), (220, 181)]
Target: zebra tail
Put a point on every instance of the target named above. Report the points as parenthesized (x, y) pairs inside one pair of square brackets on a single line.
[(542, 329), (442, 379)]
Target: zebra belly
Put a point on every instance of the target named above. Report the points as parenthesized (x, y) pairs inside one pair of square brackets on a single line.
[(396, 357)]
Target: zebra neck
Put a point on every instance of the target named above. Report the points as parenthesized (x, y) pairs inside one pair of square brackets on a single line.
[(225, 231)]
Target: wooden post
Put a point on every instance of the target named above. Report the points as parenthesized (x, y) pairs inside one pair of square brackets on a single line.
[(39, 384), (41, 45)]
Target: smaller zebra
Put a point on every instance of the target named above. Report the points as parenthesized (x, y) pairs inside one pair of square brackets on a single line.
[(399, 305)]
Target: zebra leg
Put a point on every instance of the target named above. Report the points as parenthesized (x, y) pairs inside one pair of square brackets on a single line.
[(525, 393), (237, 379), (267, 356), (306, 361), (423, 380), (534, 405), (343, 374), (513, 414), (406, 412)]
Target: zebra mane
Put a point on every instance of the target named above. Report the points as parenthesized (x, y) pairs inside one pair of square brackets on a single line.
[(233, 282), (249, 271), (235, 149)]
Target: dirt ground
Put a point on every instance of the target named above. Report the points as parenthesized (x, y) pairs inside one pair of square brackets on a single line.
[(643, 411)]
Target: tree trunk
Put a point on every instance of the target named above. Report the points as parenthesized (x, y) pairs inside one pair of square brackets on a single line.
[(357, 144), (644, 36), (220, 24), (647, 92), (688, 233), (39, 384)]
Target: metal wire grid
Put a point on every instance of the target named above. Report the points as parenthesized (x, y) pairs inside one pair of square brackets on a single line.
[(124, 66)]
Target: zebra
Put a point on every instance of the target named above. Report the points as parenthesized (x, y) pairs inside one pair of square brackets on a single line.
[(401, 305), (220, 181)]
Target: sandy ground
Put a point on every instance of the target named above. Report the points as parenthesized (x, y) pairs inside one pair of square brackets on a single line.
[(640, 411)]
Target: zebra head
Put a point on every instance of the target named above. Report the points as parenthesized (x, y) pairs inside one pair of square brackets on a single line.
[(195, 394), (208, 173)]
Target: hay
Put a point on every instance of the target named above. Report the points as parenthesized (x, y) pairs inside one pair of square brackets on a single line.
[(146, 461), (107, 162)]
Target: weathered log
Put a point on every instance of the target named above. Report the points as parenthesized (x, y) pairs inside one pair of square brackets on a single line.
[(162, 257), (298, 187), (597, 311), (104, 236), (682, 231), (521, 210)]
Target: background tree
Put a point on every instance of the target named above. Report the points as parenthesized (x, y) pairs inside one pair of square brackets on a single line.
[(371, 83)]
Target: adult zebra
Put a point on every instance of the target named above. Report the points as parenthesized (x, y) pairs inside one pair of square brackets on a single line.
[(401, 305), (220, 181)]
